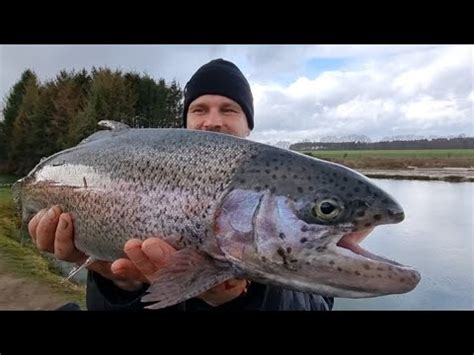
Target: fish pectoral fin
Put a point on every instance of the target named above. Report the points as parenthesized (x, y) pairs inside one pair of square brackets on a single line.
[(188, 274)]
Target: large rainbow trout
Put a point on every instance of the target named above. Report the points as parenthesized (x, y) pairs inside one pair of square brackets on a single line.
[(232, 207)]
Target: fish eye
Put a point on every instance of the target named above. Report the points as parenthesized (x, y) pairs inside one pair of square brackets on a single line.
[(327, 209)]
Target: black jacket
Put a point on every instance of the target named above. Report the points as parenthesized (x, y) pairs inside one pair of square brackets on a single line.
[(103, 294)]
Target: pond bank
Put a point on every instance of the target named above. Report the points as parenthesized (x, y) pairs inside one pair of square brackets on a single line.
[(440, 174)]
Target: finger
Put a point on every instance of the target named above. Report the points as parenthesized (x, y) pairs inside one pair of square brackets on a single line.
[(127, 270), (233, 283), (128, 285), (222, 294), (45, 232), (157, 251), (101, 267), (64, 248), (228, 286), (123, 281), (33, 224), (133, 249), (218, 289)]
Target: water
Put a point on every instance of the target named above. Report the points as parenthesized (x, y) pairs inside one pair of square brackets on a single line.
[(436, 237)]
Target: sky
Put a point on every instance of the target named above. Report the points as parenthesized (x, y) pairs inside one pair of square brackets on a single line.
[(301, 92)]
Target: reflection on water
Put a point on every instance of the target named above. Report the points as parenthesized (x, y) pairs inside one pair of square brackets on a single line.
[(436, 238)]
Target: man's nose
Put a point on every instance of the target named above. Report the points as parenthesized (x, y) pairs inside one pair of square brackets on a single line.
[(213, 120)]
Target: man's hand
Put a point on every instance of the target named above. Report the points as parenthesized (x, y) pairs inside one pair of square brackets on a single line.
[(152, 254), (53, 232)]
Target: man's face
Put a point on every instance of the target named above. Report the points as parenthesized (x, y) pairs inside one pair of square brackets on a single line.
[(219, 114)]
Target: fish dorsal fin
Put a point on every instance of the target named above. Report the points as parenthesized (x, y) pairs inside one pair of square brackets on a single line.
[(113, 125)]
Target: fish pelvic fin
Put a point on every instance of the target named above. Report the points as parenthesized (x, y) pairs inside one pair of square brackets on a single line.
[(188, 273), (78, 268)]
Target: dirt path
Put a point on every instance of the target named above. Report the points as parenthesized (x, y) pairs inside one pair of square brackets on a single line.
[(28, 280), (19, 293)]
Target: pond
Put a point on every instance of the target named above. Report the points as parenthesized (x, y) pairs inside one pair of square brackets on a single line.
[(436, 237)]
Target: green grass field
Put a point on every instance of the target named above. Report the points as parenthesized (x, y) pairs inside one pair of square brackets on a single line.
[(396, 154), (7, 179)]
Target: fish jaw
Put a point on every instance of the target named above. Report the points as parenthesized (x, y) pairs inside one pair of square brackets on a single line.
[(270, 244), (358, 273)]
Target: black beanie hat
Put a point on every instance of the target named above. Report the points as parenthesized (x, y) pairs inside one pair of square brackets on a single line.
[(220, 77)]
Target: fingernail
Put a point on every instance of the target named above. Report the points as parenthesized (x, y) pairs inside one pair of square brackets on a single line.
[(159, 253), (229, 284), (118, 271), (63, 224), (51, 213)]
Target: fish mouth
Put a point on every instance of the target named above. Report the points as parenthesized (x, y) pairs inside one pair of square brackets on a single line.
[(375, 274), (351, 241)]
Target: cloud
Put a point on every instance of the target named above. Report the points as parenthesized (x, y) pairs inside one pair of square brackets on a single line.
[(168, 62), (425, 91), (300, 92)]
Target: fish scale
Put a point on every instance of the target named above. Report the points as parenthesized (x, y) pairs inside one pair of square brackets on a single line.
[(231, 207), (121, 202)]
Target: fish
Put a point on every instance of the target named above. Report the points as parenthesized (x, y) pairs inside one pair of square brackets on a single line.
[(231, 207)]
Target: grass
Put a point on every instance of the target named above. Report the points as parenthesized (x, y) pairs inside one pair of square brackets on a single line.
[(7, 179), (398, 159), (397, 154), (25, 260)]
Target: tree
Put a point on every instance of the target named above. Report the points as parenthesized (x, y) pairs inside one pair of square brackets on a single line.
[(11, 109), (41, 119), (21, 144), (68, 94), (174, 106), (111, 98), (3, 145), (151, 100)]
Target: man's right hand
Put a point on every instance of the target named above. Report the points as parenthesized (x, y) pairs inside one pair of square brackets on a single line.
[(52, 231)]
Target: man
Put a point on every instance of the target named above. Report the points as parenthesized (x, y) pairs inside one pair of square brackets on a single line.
[(216, 98)]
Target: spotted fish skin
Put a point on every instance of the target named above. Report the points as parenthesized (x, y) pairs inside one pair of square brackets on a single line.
[(138, 184), (231, 207)]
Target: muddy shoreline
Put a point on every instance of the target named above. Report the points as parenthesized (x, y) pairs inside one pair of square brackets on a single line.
[(453, 174)]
